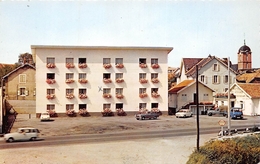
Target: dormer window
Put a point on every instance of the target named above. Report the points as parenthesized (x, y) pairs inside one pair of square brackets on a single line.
[(215, 67)]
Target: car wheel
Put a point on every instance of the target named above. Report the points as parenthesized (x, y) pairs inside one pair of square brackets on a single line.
[(33, 138), (137, 118), (155, 118), (176, 116), (10, 139), (143, 118), (210, 114), (241, 118)]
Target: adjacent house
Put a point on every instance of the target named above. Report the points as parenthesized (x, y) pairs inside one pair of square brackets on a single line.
[(213, 72), (183, 95), (72, 78), (20, 83), (247, 96)]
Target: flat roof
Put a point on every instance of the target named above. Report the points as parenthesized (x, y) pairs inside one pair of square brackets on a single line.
[(169, 49)]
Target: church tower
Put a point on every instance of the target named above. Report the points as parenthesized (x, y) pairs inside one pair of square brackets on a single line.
[(244, 57)]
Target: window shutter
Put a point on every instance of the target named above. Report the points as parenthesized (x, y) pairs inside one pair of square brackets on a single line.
[(26, 92), (218, 66), (218, 80), (18, 92), (230, 79), (206, 79), (212, 79)]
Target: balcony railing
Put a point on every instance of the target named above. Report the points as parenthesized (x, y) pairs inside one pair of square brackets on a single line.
[(68, 81), (107, 66), (83, 81), (143, 95), (155, 66), (107, 80), (119, 65), (82, 65), (70, 95), (50, 96), (119, 80), (119, 96), (143, 65), (83, 96), (142, 81), (50, 81), (107, 95), (70, 65), (155, 80), (50, 65)]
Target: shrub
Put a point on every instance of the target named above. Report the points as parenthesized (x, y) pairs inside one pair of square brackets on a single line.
[(239, 150)]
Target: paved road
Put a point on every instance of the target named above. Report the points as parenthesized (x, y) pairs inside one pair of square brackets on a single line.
[(111, 137)]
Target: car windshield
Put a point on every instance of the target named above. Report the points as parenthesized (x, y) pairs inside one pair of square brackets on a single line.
[(45, 113)]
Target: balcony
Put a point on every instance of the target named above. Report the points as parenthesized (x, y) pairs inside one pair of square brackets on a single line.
[(119, 65), (107, 95), (143, 95), (155, 80), (155, 95), (143, 81), (50, 96), (83, 96), (155, 66), (83, 81), (82, 65), (50, 65), (143, 65), (70, 65), (107, 80), (119, 80), (70, 96), (107, 66), (50, 81), (68, 81), (119, 96)]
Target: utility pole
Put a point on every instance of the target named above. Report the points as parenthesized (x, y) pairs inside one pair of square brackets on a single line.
[(197, 104), (229, 121)]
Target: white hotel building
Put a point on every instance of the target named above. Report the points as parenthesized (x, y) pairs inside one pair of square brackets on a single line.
[(95, 77)]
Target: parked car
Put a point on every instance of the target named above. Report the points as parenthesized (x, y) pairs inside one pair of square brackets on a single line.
[(236, 112), (22, 134), (183, 113), (149, 115), (217, 112), (45, 116)]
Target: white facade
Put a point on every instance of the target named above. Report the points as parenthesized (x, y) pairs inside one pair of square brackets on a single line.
[(95, 73)]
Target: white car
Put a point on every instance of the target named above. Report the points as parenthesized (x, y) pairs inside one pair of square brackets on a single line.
[(22, 134), (183, 113), (45, 116)]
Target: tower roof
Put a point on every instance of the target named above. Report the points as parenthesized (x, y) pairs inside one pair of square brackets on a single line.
[(244, 49)]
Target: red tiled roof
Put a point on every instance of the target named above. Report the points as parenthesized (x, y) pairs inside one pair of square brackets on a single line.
[(180, 86), (248, 77), (252, 89)]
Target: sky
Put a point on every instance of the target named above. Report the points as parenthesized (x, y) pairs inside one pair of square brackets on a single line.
[(194, 28)]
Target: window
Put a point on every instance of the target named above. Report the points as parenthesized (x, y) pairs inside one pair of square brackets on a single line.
[(119, 90), (242, 104), (142, 90), (108, 106), (69, 106), (119, 105), (225, 89), (142, 105), (50, 107), (69, 91), (142, 75), (154, 90), (82, 60), (202, 78), (119, 61), (50, 76), (142, 61), (154, 105), (215, 67), (82, 91), (50, 60), (106, 91), (184, 97), (106, 76), (215, 79), (50, 91), (69, 76), (225, 79), (154, 75), (22, 92), (70, 60), (22, 78), (154, 61), (106, 60), (82, 106), (119, 75), (82, 75)]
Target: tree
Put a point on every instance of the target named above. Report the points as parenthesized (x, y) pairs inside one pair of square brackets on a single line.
[(6, 68), (25, 58)]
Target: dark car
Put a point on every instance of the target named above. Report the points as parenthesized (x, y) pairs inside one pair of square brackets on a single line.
[(149, 115)]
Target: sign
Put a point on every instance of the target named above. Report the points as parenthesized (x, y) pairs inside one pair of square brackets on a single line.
[(222, 122)]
